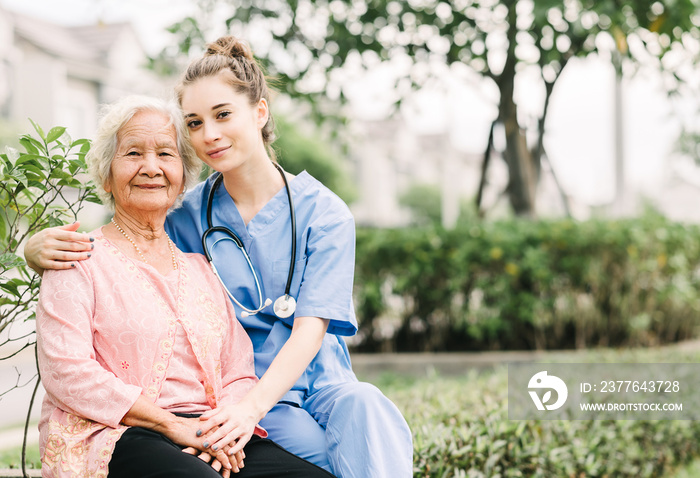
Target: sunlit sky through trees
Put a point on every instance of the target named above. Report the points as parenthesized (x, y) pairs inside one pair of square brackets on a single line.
[(579, 139)]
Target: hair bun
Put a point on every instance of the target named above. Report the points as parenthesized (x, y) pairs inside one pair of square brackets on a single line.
[(231, 47)]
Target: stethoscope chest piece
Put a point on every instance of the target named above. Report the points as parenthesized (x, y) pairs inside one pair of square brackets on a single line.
[(285, 306)]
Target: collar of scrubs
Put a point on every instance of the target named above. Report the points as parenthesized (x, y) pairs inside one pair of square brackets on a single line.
[(227, 211)]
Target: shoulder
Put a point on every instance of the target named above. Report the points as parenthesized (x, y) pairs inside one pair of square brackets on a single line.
[(315, 201), (198, 268), (83, 275), (196, 260), (194, 200)]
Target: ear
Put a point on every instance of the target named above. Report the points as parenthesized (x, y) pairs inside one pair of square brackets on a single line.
[(263, 112), (107, 185)]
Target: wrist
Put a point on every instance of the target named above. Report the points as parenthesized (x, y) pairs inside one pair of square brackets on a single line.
[(256, 407)]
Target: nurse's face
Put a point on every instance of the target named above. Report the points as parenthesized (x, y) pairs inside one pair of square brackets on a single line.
[(225, 129)]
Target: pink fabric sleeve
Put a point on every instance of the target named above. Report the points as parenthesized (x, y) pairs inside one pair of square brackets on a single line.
[(237, 366), (70, 369)]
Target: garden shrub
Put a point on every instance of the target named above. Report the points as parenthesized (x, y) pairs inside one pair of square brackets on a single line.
[(523, 284), (461, 429), (39, 187)]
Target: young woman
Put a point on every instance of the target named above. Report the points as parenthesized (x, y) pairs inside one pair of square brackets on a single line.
[(272, 237)]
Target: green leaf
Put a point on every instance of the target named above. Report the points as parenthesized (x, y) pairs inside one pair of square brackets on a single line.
[(3, 227), (10, 261), (38, 129), (31, 145), (55, 133), (12, 155)]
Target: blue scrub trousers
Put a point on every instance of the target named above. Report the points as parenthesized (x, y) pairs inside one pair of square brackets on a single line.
[(350, 429)]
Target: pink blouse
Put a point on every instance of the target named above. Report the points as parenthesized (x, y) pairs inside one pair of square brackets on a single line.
[(112, 329)]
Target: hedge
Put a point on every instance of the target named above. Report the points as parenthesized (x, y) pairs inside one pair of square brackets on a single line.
[(522, 284), (461, 429)]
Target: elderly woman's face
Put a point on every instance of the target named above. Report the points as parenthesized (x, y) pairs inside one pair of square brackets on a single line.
[(147, 172)]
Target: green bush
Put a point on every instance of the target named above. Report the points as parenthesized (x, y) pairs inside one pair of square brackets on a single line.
[(519, 284), (461, 428), (38, 188)]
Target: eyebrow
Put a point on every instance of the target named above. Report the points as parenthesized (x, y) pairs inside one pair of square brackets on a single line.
[(213, 108)]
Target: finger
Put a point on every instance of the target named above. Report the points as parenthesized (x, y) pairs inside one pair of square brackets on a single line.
[(73, 226), (220, 438), (208, 414), (216, 464), (206, 427), (69, 232), (238, 446), (56, 265), (69, 245), (238, 458), (226, 473), (63, 256), (204, 456), (190, 450), (224, 459)]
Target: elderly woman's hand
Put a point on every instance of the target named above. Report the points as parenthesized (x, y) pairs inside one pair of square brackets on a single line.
[(185, 433), (236, 460), (57, 248)]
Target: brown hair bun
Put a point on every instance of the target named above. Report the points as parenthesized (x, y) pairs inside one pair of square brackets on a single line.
[(231, 47)]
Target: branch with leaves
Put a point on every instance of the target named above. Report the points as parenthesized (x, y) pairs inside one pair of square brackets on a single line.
[(40, 187)]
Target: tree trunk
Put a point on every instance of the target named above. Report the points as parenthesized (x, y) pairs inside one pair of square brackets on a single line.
[(484, 171), (523, 168)]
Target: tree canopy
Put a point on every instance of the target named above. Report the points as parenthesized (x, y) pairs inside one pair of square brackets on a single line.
[(311, 45)]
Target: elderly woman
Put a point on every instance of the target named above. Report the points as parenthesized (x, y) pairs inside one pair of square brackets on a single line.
[(138, 342)]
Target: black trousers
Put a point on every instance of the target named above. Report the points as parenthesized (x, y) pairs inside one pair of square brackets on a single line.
[(142, 453)]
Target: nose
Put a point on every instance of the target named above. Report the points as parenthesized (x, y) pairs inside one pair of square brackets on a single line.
[(151, 165), (211, 132)]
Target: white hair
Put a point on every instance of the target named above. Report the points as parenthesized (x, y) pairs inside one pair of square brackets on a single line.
[(113, 117)]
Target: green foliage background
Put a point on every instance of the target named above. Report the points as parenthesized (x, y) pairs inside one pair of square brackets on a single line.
[(40, 186), (519, 284)]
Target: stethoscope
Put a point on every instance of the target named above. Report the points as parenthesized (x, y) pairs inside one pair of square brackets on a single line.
[(285, 305)]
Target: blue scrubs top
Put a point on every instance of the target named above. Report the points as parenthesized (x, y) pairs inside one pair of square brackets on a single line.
[(323, 271)]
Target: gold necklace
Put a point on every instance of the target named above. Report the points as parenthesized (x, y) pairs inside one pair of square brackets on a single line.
[(170, 245)]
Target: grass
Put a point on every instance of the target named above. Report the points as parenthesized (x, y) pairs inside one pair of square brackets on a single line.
[(461, 428), (12, 457), (690, 471)]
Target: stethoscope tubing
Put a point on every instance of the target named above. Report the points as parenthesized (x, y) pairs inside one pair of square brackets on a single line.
[(232, 236)]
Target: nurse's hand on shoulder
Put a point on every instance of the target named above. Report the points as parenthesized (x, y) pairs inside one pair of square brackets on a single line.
[(236, 424), (57, 248)]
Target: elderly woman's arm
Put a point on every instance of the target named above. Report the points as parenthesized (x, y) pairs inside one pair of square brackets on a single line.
[(57, 248), (68, 362), (72, 375)]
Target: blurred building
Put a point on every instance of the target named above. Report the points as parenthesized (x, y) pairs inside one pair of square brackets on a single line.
[(58, 75), (391, 158)]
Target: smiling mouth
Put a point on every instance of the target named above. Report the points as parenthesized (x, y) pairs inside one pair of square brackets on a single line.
[(215, 153), (150, 186)]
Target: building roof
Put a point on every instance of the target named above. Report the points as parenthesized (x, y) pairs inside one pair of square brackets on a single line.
[(101, 36), (88, 43)]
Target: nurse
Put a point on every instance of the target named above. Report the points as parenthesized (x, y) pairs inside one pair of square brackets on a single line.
[(308, 398)]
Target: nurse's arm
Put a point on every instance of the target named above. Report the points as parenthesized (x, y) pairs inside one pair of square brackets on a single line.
[(291, 361), (57, 248)]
